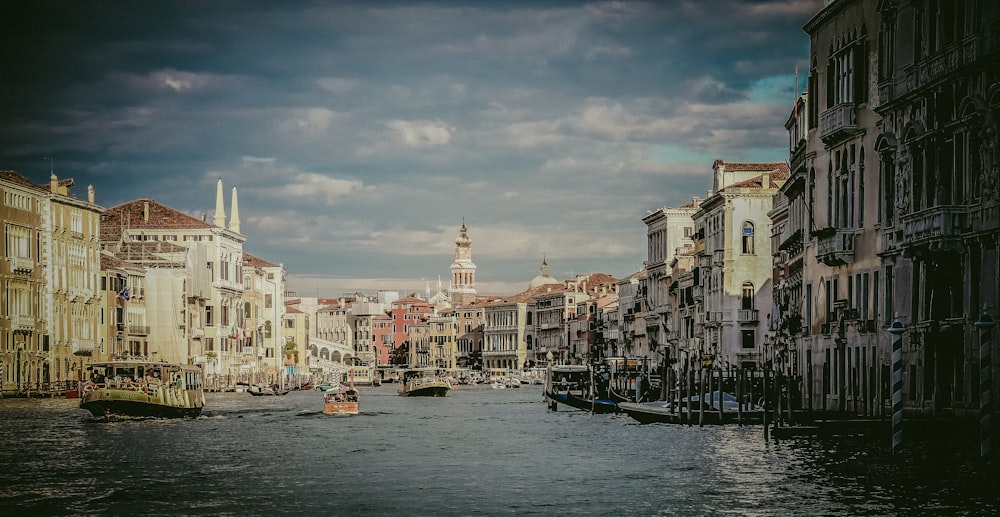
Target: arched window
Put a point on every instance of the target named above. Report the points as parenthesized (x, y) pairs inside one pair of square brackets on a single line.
[(746, 300), (747, 233)]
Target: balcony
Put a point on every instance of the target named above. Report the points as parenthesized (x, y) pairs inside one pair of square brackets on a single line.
[(838, 122), (714, 318), (937, 223), (23, 322), (791, 241), (83, 347), (698, 293), (138, 330), (983, 217), (748, 316), (835, 246), (21, 265)]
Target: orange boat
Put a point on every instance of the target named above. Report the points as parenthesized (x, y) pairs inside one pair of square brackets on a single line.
[(341, 401)]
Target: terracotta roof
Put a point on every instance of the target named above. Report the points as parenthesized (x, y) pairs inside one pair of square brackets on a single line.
[(413, 300), (256, 261), (18, 179), (131, 215), (530, 294), (745, 166), (109, 261)]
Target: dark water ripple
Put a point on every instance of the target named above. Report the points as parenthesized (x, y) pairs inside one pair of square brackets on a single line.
[(476, 452)]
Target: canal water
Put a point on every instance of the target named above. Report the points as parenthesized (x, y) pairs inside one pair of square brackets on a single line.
[(478, 451)]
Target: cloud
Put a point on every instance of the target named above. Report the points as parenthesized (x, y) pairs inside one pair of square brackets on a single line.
[(337, 85), (421, 133), (308, 185), (309, 121)]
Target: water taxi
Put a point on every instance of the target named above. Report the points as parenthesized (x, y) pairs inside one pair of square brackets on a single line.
[(143, 389), (423, 382), (340, 400)]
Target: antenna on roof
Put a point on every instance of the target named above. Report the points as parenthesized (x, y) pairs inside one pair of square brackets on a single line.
[(795, 93), (52, 167)]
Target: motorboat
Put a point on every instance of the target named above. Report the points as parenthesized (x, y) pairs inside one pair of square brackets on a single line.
[(341, 400)]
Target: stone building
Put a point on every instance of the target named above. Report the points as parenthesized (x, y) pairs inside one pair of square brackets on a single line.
[(731, 280), (50, 283), (892, 203), (25, 348), (194, 280)]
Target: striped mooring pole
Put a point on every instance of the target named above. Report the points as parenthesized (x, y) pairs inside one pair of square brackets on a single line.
[(985, 325), (897, 329)]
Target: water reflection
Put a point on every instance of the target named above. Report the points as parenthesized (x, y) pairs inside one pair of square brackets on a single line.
[(475, 452)]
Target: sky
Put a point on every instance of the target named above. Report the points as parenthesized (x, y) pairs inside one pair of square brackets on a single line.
[(360, 135)]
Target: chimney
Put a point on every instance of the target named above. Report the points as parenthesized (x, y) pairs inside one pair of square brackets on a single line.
[(765, 180), (54, 184), (145, 211), (90, 194)]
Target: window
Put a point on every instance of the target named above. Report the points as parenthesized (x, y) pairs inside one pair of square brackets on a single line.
[(748, 240), (747, 298), (846, 70), (809, 308), (208, 316), (749, 338)]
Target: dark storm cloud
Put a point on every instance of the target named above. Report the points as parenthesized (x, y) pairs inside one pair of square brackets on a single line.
[(360, 134)]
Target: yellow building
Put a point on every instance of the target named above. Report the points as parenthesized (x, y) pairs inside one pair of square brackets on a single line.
[(71, 251), (24, 345)]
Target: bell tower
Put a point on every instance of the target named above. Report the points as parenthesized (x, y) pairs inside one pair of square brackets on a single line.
[(463, 271)]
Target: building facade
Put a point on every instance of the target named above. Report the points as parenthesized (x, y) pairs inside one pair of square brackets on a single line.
[(895, 166)]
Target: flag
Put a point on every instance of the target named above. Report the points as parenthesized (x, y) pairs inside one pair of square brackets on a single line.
[(124, 293)]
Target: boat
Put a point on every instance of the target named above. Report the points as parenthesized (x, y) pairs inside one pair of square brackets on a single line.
[(694, 410), (135, 388), (423, 382), (261, 390), (341, 400), (571, 385), (498, 385)]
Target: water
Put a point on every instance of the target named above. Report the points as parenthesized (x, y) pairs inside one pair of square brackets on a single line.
[(478, 451)]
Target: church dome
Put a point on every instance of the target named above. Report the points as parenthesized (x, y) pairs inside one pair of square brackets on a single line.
[(543, 277)]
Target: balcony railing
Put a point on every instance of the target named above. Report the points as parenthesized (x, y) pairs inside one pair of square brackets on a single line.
[(23, 322), (838, 121), (835, 246), (138, 330), (83, 347), (21, 264), (934, 223), (748, 316)]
